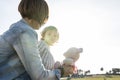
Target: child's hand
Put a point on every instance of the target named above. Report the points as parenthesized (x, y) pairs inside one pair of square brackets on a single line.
[(57, 65)]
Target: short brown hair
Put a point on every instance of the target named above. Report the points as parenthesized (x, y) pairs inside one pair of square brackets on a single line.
[(34, 9)]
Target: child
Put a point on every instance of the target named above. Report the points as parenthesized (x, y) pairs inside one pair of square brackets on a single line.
[(49, 36)]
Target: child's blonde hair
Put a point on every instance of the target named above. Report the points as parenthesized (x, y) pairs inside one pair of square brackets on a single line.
[(47, 29)]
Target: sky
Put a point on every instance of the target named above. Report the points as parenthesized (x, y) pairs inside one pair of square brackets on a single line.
[(93, 25)]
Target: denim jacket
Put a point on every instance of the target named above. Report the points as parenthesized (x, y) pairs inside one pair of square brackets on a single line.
[(19, 53)]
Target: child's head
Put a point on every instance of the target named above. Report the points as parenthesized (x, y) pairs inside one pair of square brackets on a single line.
[(50, 35)]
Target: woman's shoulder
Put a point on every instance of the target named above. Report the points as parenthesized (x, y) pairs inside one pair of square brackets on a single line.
[(20, 25)]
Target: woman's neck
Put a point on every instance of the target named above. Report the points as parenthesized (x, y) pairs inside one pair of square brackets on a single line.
[(34, 24)]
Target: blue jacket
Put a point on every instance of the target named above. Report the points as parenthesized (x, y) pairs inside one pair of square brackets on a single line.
[(19, 53)]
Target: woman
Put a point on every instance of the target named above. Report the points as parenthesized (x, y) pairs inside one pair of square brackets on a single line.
[(19, 54)]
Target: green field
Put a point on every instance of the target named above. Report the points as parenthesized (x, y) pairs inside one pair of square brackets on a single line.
[(95, 78)]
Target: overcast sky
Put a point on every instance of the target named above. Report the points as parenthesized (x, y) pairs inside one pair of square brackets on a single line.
[(91, 24)]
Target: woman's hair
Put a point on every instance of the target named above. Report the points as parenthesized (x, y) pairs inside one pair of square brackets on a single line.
[(37, 10), (47, 29)]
